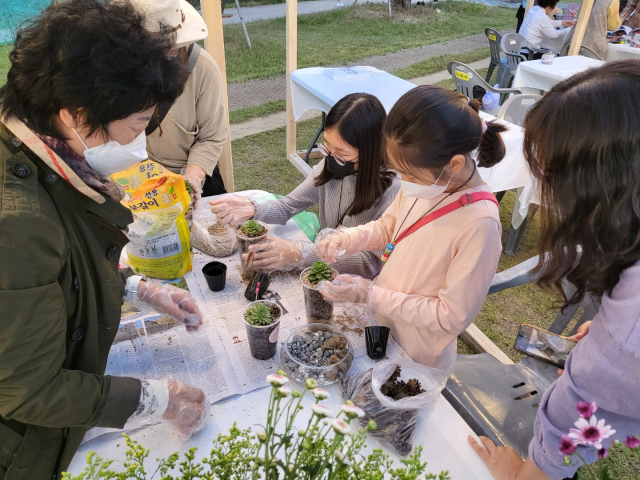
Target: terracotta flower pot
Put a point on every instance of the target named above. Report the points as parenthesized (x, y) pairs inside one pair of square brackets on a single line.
[(263, 340)]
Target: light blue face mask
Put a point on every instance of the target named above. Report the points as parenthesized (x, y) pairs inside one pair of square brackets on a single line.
[(111, 157)]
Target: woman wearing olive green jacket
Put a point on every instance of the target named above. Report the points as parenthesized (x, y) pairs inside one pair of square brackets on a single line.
[(84, 80)]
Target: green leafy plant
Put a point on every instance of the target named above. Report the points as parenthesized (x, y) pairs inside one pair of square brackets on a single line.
[(319, 271), (189, 187), (258, 314), (252, 228), (324, 450)]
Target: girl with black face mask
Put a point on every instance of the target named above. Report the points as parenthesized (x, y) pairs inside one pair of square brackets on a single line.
[(350, 185)]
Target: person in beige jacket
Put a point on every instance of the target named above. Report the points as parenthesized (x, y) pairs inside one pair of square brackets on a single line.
[(192, 133)]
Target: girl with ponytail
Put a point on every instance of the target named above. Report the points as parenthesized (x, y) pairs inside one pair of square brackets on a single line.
[(441, 235)]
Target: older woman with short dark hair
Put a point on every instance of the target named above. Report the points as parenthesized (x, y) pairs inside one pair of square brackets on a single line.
[(85, 78)]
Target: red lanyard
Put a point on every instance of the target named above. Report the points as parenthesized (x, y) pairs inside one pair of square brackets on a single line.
[(463, 201)]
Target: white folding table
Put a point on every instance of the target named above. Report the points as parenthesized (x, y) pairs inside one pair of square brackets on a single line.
[(534, 76), (440, 430), (312, 89), (617, 51)]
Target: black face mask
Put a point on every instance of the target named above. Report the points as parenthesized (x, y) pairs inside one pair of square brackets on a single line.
[(340, 171)]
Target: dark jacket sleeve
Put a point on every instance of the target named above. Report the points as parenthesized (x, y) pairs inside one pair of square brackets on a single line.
[(34, 388)]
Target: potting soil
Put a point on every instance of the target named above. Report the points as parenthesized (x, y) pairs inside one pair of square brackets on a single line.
[(395, 426)]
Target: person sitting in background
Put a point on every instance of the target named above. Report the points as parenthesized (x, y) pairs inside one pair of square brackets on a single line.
[(350, 185), (630, 15), (538, 28), (589, 177), (193, 130)]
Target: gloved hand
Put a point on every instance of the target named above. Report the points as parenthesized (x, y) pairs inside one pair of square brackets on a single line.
[(346, 289), (331, 244), (196, 176), (274, 254), (172, 301), (233, 209), (188, 408)]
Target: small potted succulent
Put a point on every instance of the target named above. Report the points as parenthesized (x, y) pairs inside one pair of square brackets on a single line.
[(249, 233), (262, 321), (317, 308)]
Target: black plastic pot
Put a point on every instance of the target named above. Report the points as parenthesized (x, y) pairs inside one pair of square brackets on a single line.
[(377, 338), (215, 273)]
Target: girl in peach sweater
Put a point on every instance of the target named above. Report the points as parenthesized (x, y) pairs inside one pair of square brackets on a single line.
[(441, 233)]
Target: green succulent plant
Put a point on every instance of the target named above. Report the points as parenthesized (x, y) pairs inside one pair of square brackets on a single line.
[(259, 315), (251, 228), (319, 271), (189, 187)]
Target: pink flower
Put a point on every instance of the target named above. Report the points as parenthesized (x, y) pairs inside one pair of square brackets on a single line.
[(352, 411), (567, 447), (632, 442), (590, 433), (602, 453), (586, 410), (340, 426), (321, 411), (277, 380)]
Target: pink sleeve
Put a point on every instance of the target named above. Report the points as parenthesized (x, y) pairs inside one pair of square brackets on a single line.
[(475, 255), (375, 235)]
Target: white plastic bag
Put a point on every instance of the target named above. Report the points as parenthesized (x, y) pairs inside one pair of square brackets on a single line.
[(210, 235), (396, 419)]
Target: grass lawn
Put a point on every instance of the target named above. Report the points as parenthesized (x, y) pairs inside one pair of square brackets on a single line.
[(254, 3), (4, 62), (343, 35), (348, 34), (433, 65)]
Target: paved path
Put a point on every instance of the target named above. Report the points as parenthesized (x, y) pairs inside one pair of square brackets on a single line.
[(266, 12), (278, 120), (259, 92)]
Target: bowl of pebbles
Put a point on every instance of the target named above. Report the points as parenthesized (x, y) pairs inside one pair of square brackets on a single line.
[(317, 351)]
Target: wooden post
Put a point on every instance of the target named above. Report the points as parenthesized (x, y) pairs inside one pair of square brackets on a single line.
[(292, 65), (214, 45), (581, 27), (529, 5)]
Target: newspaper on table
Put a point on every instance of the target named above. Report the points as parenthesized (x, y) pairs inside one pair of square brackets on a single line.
[(217, 358)]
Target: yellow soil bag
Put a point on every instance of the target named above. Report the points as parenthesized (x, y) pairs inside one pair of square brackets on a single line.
[(159, 240)]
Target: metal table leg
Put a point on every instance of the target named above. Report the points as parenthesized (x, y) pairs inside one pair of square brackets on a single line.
[(517, 234), (315, 139)]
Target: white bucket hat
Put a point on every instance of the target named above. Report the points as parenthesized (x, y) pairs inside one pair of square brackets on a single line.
[(178, 14)]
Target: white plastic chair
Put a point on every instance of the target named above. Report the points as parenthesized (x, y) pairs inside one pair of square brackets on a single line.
[(515, 109), (468, 82)]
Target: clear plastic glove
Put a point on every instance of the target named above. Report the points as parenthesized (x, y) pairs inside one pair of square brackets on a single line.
[(195, 175), (233, 209), (274, 254), (182, 406), (187, 409), (172, 301), (331, 244), (346, 289)]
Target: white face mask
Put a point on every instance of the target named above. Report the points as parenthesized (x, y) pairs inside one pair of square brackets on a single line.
[(111, 157), (425, 192)]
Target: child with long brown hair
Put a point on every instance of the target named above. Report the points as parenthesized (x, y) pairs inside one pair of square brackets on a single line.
[(441, 235)]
